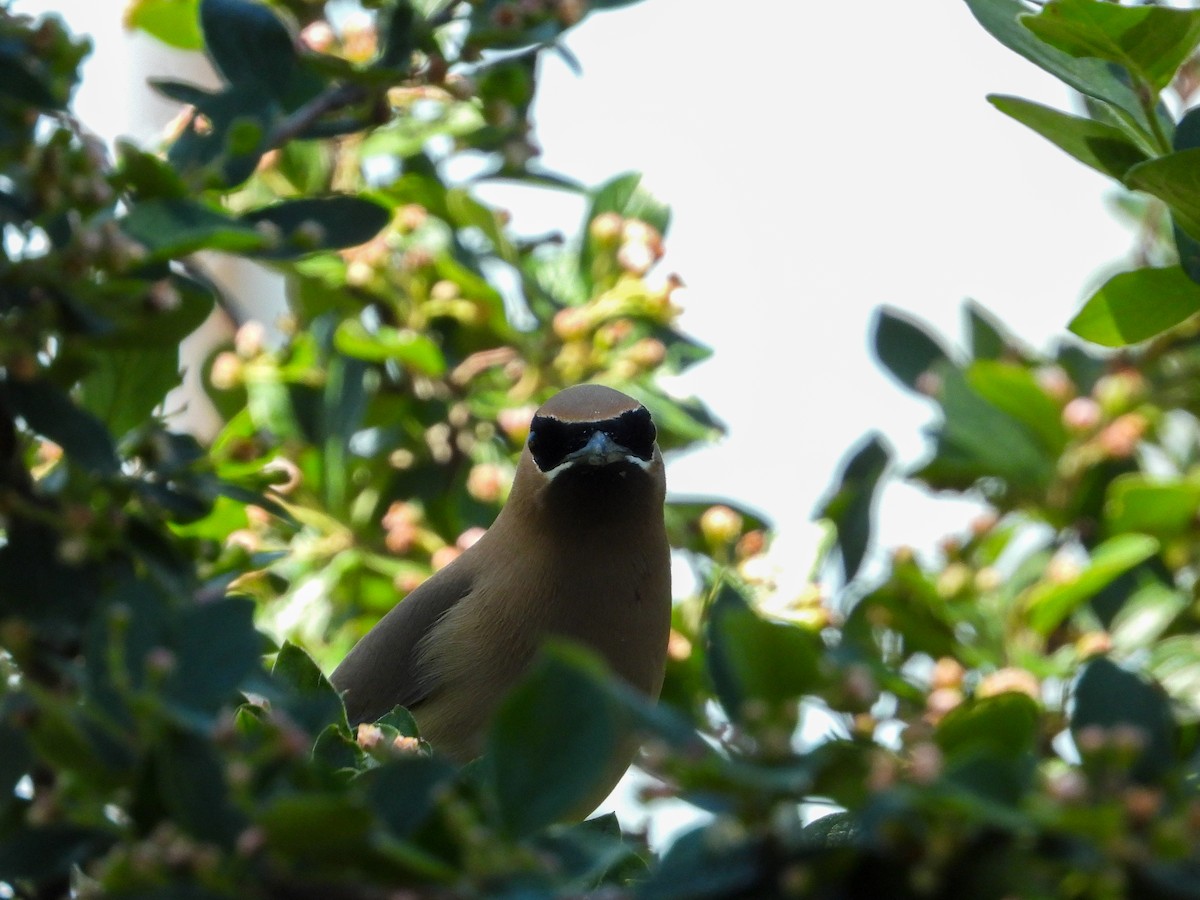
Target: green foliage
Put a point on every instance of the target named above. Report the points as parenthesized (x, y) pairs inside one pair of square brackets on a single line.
[(1015, 714)]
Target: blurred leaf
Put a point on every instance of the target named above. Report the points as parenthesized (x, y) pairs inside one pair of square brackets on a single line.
[(39, 852), (752, 658), (1145, 616), (248, 44), (905, 347), (190, 781), (988, 338), (1051, 601), (1107, 695), (1151, 42), (51, 413), (217, 646), (1163, 508), (1137, 305), (174, 22), (976, 440), (698, 865), (1175, 664), (312, 224), (1014, 390), (1006, 724), (125, 386), (1004, 20), (1104, 147), (23, 78), (551, 741), (851, 507), (397, 37), (329, 829), (1173, 179), (407, 135), (412, 350), (310, 700), (405, 791), (170, 228)]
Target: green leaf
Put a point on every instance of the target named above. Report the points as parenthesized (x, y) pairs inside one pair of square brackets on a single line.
[(1163, 508), (1013, 389), (1135, 306), (125, 386), (700, 864), (1151, 42), (407, 135), (216, 647), (249, 45), (1104, 147), (190, 780), (405, 791), (1091, 77), (1050, 602), (988, 338), (752, 658), (1175, 664), (1145, 616), (414, 351), (41, 852), (1174, 179), (398, 37), (1005, 725), (852, 505), (50, 412), (552, 741), (977, 440), (318, 828), (311, 701), (1107, 695), (170, 228), (905, 347), (174, 22), (312, 224)]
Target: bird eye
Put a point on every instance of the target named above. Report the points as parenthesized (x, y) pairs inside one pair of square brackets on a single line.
[(634, 430), (550, 441)]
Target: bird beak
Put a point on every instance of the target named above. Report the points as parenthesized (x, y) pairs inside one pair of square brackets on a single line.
[(600, 450)]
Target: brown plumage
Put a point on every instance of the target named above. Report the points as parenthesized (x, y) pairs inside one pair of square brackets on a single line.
[(579, 551)]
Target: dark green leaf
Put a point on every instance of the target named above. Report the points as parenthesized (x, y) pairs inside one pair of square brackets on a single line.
[(699, 865), (851, 506), (1104, 147), (1091, 77), (318, 828), (1005, 725), (978, 441), (988, 338), (310, 700), (905, 347), (38, 852), (175, 227), (553, 739), (1174, 179), (405, 791), (50, 413), (1107, 695), (125, 386), (1151, 42), (190, 780), (217, 646), (248, 44), (1137, 305), (398, 38), (752, 658), (312, 224)]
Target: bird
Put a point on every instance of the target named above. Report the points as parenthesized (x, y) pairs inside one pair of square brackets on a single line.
[(579, 551)]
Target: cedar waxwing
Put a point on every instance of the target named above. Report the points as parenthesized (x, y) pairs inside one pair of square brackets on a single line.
[(579, 551)]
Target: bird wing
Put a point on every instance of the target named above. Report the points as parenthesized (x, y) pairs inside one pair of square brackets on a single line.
[(382, 670)]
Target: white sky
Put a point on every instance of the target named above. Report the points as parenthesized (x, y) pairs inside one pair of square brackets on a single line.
[(821, 159)]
